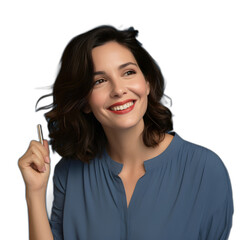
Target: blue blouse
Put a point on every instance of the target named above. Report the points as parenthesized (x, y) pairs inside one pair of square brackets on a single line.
[(185, 194)]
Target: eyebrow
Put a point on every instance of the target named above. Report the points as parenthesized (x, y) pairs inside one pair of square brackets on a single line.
[(119, 68)]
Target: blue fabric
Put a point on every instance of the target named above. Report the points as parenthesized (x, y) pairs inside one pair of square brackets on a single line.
[(185, 194)]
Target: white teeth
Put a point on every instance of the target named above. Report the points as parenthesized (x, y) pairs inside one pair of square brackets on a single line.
[(122, 107)]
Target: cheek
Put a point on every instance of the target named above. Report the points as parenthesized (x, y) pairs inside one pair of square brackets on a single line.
[(140, 87), (96, 100)]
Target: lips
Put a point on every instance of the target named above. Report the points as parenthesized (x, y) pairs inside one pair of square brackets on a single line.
[(121, 103)]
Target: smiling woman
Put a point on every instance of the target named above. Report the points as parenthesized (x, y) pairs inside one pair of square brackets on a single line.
[(124, 174), (96, 65)]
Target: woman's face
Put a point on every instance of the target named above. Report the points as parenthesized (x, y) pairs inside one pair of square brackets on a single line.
[(118, 80)]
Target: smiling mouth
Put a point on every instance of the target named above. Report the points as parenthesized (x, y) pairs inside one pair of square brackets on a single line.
[(122, 107), (125, 108)]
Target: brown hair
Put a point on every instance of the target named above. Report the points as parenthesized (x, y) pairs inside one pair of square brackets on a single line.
[(74, 133)]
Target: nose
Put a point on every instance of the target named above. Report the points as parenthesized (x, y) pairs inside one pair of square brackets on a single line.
[(118, 89)]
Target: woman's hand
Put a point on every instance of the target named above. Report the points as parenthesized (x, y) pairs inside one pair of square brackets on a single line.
[(35, 166)]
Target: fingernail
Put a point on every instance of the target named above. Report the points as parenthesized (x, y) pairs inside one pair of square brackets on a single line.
[(47, 159), (44, 169)]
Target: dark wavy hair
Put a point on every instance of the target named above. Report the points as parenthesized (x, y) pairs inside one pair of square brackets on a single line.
[(74, 133)]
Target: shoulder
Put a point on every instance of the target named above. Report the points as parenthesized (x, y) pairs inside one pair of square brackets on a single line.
[(215, 179), (61, 171), (206, 156), (62, 166), (67, 166)]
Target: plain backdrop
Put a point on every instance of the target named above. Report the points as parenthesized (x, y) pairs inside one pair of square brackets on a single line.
[(196, 44)]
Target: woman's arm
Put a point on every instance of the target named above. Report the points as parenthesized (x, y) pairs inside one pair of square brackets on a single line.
[(39, 227), (219, 209), (35, 168)]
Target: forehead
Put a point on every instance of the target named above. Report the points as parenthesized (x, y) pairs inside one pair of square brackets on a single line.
[(111, 53)]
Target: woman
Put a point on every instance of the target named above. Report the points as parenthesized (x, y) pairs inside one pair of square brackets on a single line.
[(124, 174)]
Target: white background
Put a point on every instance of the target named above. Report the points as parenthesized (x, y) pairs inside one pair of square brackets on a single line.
[(196, 43)]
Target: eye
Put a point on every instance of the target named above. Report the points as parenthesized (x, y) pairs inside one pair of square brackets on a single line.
[(130, 72), (98, 81)]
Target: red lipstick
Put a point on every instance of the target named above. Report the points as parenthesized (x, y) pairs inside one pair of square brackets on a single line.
[(121, 103), (124, 110)]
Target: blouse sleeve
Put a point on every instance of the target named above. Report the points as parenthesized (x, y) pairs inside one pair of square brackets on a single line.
[(59, 188), (217, 219)]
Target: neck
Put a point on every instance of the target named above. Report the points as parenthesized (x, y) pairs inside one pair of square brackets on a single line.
[(126, 145)]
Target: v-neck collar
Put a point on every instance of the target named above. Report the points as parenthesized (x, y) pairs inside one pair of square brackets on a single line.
[(149, 164)]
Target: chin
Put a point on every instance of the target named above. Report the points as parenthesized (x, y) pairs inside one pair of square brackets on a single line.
[(128, 124)]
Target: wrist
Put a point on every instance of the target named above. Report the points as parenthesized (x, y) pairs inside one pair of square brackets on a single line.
[(39, 195)]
